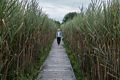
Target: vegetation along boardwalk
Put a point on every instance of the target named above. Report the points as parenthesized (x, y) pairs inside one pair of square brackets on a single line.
[(57, 65)]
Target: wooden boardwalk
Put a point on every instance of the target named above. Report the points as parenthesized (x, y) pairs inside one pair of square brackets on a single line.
[(57, 65)]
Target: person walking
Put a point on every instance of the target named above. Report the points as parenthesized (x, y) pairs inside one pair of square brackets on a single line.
[(58, 36)]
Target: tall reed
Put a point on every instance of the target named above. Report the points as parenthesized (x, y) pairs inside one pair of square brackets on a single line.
[(25, 33), (94, 37)]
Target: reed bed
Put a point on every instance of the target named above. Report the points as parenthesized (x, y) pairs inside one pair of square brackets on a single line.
[(94, 37), (25, 34)]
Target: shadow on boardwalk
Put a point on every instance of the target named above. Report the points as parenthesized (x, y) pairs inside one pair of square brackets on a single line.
[(57, 65)]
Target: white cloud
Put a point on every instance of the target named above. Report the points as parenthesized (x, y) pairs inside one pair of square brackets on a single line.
[(73, 3), (56, 11)]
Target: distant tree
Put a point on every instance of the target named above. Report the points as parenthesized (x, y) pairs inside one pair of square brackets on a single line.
[(58, 23), (69, 16)]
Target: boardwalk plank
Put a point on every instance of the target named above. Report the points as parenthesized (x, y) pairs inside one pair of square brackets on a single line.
[(57, 65)]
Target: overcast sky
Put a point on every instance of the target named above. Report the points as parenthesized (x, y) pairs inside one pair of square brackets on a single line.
[(57, 9)]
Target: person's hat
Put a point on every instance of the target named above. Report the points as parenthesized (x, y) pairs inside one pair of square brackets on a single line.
[(58, 29)]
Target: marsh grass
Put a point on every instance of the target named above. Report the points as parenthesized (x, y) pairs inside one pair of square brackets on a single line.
[(94, 36), (24, 31)]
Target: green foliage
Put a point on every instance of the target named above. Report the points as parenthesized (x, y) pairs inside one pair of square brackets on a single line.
[(32, 71), (74, 62), (58, 23), (94, 36), (24, 31), (69, 16)]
